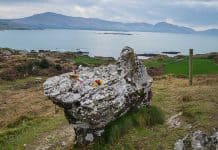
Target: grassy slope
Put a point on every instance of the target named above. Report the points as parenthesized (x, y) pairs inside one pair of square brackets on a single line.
[(17, 135), (144, 117), (173, 95), (200, 66), (180, 66), (25, 113), (198, 104), (22, 97), (159, 61), (89, 61)]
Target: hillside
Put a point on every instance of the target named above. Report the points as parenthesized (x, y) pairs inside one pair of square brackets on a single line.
[(171, 95), (28, 120), (51, 20)]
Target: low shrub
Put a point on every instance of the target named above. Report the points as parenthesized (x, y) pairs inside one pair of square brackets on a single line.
[(58, 67), (9, 74), (44, 63)]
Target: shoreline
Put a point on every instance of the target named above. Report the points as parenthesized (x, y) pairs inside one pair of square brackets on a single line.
[(82, 51), (201, 33)]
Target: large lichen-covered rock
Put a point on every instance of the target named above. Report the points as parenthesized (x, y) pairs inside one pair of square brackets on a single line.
[(90, 106)]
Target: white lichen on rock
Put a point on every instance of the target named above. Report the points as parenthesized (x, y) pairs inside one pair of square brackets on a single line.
[(198, 140)]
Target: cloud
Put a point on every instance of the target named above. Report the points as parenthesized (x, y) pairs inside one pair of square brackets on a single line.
[(194, 13), (197, 3)]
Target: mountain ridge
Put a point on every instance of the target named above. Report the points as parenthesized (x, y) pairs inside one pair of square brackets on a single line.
[(50, 20)]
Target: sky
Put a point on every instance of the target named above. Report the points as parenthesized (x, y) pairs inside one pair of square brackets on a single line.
[(198, 14)]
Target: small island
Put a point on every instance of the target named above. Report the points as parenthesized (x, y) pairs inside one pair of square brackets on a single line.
[(171, 52), (116, 33)]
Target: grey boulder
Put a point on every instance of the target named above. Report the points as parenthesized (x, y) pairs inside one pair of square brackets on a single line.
[(100, 95), (198, 140)]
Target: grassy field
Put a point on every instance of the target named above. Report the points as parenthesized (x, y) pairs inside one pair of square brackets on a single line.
[(89, 61), (26, 115), (172, 95), (144, 117), (26, 129), (170, 65), (180, 66)]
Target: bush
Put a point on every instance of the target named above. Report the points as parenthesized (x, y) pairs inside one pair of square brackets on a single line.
[(10, 74), (31, 67), (44, 64), (58, 67), (28, 68)]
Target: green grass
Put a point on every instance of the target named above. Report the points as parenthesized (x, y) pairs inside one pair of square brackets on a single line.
[(199, 111), (89, 61), (155, 138), (25, 130), (143, 118), (180, 66), (200, 66), (192, 112), (160, 61)]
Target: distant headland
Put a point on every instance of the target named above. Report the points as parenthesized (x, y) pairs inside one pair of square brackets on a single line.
[(51, 20)]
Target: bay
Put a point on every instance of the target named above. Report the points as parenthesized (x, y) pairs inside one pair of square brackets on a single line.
[(110, 44)]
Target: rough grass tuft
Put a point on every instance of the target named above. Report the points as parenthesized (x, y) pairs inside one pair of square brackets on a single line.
[(186, 98), (192, 112), (140, 119), (20, 121)]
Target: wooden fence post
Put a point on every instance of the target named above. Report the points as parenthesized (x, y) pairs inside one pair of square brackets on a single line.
[(190, 66), (55, 109)]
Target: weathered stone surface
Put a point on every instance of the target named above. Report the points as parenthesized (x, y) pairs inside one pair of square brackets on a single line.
[(174, 121), (89, 108), (198, 141)]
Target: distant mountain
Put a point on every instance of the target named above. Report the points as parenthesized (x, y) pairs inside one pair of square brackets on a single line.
[(57, 21), (209, 32), (163, 27), (51, 20)]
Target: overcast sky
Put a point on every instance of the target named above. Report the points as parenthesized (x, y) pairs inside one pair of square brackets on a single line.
[(199, 14)]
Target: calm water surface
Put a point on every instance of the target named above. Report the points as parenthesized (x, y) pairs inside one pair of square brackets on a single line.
[(107, 44)]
